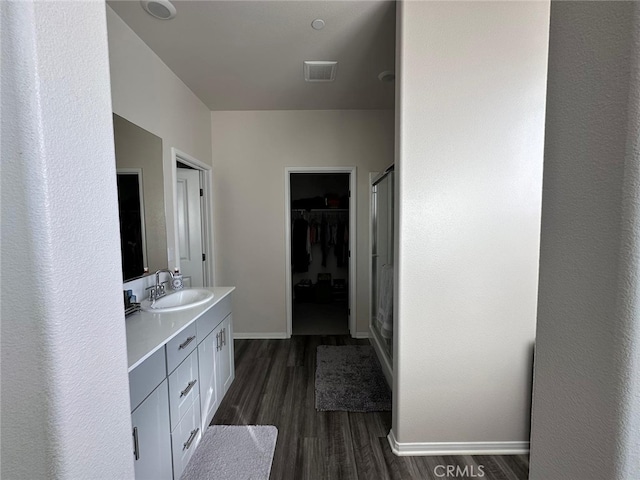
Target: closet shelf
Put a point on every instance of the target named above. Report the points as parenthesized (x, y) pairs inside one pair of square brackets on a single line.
[(319, 209)]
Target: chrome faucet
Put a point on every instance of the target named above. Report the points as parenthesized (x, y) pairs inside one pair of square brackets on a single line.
[(158, 290)]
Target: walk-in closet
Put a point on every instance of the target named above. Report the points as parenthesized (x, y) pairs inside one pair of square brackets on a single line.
[(320, 253)]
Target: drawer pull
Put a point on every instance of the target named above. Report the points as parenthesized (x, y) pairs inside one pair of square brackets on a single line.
[(186, 342), (192, 437), (136, 447), (188, 389)]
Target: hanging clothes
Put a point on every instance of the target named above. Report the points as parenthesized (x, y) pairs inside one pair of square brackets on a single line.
[(329, 229), (299, 246), (345, 241), (340, 244), (324, 239)]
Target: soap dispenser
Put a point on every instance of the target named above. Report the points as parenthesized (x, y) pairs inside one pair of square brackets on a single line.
[(176, 279)]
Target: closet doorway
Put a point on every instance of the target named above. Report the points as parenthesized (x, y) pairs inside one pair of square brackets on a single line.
[(320, 245)]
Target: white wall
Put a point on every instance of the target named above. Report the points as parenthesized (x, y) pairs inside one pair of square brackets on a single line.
[(250, 152), (586, 403), (146, 92), (65, 392), (469, 175)]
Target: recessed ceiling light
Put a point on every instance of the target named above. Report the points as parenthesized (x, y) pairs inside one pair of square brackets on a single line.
[(387, 76), (161, 9), (317, 24)]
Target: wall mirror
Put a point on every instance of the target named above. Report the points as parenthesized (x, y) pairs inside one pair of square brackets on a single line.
[(143, 231)]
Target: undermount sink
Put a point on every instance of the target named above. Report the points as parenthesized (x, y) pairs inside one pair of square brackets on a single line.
[(180, 300)]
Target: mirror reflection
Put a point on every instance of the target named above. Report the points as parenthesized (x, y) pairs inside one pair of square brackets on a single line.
[(143, 232)]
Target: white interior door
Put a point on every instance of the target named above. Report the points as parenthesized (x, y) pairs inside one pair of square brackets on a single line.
[(190, 227)]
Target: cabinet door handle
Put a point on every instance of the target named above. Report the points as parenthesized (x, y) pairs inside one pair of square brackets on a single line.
[(217, 342), (188, 389), (186, 342), (136, 447), (224, 337), (192, 437)]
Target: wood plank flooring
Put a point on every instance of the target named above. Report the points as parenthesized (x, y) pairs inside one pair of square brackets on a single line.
[(275, 385)]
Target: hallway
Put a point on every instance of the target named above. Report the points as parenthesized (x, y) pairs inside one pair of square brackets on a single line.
[(274, 385)]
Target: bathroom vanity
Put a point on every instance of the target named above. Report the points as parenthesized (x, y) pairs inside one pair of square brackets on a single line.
[(180, 367)]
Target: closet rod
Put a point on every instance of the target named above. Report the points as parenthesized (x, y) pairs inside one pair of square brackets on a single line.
[(319, 210)]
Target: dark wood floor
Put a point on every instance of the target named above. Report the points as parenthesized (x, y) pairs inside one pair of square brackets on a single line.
[(274, 385)]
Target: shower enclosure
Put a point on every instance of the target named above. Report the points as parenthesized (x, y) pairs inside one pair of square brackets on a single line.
[(382, 268)]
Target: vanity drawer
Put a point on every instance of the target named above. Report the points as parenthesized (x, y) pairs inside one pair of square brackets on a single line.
[(212, 317), (146, 377), (185, 438), (184, 386), (180, 347)]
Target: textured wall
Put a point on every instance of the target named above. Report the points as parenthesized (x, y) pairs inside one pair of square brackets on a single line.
[(146, 92), (251, 150), (471, 122), (65, 402), (586, 395)]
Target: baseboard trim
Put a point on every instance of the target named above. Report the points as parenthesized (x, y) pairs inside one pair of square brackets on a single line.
[(260, 335), (456, 448), (361, 335)]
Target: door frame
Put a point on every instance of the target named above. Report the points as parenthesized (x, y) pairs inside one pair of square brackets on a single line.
[(352, 240), (206, 183)]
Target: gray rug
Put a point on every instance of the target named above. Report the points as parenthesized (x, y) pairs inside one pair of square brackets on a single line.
[(349, 378), (233, 452)]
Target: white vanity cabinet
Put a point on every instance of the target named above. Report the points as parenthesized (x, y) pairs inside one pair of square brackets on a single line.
[(215, 358), (151, 441), (185, 439), (184, 399), (207, 362), (150, 419), (183, 388), (180, 367), (225, 372)]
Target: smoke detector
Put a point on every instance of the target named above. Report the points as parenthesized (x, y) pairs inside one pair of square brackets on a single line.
[(316, 71), (387, 76), (317, 24), (161, 9)]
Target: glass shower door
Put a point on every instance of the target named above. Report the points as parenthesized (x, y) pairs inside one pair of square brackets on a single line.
[(382, 224)]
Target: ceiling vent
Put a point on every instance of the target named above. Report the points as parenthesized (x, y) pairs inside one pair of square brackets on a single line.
[(320, 71)]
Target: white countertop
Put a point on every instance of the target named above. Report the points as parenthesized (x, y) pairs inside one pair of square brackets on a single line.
[(147, 332)]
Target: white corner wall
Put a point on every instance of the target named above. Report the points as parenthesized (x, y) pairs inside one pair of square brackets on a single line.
[(586, 402), (472, 79), (250, 151), (146, 92), (65, 392)]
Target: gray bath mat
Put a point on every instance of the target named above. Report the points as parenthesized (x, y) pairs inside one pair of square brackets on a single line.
[(233, 452), (349, 378)]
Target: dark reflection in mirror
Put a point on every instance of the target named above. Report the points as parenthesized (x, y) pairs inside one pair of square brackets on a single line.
[(131, 224)]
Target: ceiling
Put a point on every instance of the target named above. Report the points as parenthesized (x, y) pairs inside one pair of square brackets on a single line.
[(248, 55)]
